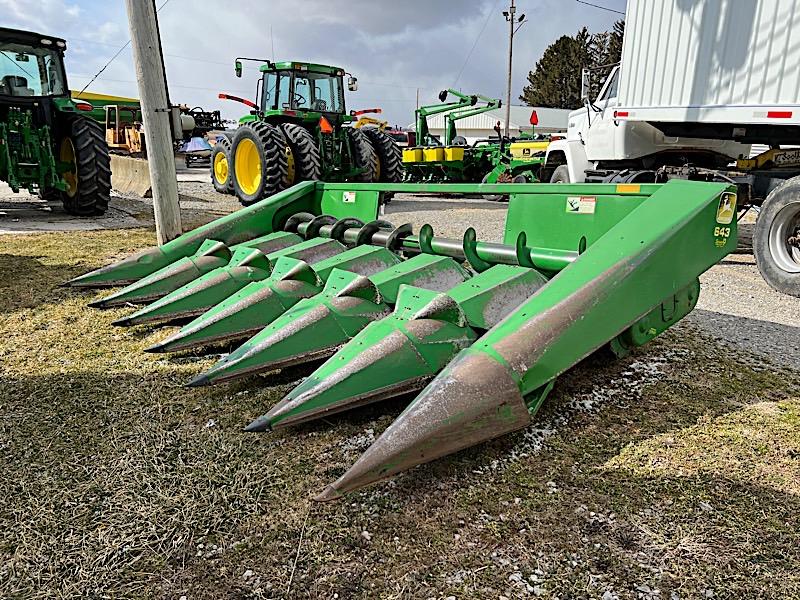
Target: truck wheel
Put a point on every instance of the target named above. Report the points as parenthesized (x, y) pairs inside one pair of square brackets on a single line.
[(364, 157), (390, 163), (88, 178), (221, 166), (259, 162), (560, 175), (776, 241), (303, 148)]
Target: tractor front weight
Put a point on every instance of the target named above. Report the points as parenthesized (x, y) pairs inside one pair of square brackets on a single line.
[(480, 331)]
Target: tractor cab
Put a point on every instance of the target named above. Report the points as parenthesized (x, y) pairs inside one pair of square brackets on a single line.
[(32, 65), (301, 92)]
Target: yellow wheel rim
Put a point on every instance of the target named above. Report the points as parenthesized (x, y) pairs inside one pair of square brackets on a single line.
[(67, 154), (290, 168), (221, 168), (247, 166)]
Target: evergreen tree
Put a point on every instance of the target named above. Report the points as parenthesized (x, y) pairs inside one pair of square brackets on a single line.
[(615, 42), (555, 81)]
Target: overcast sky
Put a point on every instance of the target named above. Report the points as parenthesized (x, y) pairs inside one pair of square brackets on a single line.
[(394, 47)]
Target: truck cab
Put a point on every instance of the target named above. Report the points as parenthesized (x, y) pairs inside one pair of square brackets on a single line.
[(600, 142)]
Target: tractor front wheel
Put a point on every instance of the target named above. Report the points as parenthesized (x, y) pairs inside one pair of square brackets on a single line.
[(88, 175), (304, 152), (363, 157), (221, 166), (259, 162), (560, 175), (389, 155)]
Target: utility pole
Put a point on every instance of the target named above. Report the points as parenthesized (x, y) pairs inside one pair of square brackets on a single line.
[(156, 114), (513, 26)]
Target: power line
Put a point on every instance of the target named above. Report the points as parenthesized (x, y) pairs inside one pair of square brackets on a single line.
[(226, 64), (619, 12), (128, 43), (187, 87), (469, 54)]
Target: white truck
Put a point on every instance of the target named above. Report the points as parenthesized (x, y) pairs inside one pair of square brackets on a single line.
[(701, 83)]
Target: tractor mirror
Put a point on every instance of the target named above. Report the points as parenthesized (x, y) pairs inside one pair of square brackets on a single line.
[(238, 68), (442, 95), (586, 84), (352, 84)]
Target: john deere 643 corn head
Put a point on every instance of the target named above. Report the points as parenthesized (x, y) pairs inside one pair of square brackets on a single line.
[(481, 330)]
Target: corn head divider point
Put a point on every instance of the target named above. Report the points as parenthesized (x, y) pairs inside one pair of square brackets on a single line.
[(312, 273)]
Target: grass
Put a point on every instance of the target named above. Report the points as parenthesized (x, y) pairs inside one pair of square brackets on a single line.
[(676, 470)]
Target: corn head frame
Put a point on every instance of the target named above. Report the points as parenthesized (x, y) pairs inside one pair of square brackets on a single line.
[(478, 330)]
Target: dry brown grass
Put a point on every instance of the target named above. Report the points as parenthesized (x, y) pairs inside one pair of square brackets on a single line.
[(674, 470)]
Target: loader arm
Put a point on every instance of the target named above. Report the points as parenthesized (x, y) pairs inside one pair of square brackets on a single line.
[(456, 115)]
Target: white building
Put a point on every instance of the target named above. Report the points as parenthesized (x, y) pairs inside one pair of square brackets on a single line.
[(478, 127)]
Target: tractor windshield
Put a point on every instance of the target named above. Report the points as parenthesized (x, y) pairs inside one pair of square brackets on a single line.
[(302, 90), (318, 92), (30, 71)]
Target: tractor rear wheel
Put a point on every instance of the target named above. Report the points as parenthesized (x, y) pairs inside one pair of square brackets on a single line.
[(389, 155), (303, 147), (259, 162), (221, 166), (88, 178), (363, 156)]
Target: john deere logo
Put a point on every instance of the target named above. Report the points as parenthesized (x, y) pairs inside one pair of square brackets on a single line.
[(727, 208), (526, 152)]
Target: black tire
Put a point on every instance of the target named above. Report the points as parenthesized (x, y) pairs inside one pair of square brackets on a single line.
[(491, 197), (50, 195), (363, 156), (259, 162), (221, 166), (90, 180), (778, 260), (307, 159), (560, 175), (390, 156)]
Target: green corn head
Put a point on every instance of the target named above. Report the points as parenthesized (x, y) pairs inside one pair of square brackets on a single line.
[(481, 330)]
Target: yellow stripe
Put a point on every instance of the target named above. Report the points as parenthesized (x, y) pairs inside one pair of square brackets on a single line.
[(89, 96), (628, 188)]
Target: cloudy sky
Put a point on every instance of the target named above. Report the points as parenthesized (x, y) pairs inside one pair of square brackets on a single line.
[(394, 47)]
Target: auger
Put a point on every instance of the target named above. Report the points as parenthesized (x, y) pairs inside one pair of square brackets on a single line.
[(480, 329)]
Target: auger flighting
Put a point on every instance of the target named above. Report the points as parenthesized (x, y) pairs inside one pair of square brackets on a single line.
[(482, 329)]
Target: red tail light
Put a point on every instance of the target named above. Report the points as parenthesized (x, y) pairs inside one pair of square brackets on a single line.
[(84, 106)]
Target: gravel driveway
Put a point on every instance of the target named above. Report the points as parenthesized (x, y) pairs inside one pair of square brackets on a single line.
[(736, 307)]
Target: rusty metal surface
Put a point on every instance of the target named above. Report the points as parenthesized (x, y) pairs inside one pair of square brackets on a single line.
[(474, 399)]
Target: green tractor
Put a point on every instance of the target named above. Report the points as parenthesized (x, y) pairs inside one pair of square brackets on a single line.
[(46, 145), (299, 130)]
